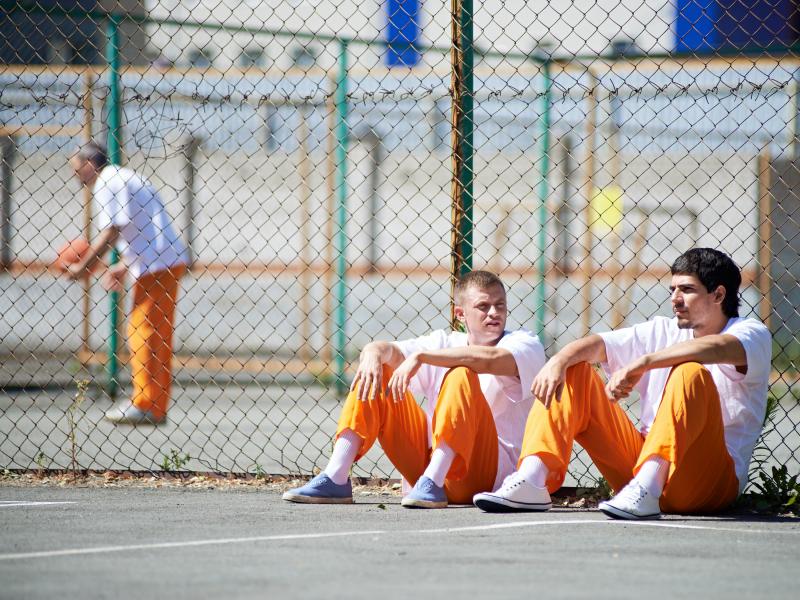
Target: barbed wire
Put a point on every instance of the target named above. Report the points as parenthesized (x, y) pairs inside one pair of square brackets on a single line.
[(750, 89)]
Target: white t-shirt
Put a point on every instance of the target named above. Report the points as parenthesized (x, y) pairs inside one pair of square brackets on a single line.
[(147, 241), (743, 396), (509, 398)]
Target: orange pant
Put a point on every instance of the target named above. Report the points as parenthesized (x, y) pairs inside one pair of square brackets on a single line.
[(462, 419), (150, 327), (687, 431)]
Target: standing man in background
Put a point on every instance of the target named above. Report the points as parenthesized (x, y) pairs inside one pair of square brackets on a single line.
[(132, 217)]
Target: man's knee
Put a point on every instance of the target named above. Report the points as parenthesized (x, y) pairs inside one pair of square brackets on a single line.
[(689, 370), (581, 369), (692, 377), (460, 384), (693, 381), (461, 374)]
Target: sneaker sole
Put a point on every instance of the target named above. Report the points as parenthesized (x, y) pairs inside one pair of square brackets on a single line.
[(153, 422), (501, 505), (414, 503), (299, 498), (616, 513)]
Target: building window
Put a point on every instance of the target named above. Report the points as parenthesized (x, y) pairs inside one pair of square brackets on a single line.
[(304, 56), (252, 57), (200, 58)]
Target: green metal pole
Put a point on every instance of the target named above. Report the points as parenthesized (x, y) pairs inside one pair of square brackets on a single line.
[(340, 185), (467, 176), (543, 189), (115, 158)]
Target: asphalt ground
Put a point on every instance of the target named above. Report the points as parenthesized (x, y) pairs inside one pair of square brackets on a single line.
[(177, 542)]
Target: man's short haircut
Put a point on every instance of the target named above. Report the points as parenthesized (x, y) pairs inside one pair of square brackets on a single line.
[(477, 279), (713, 268), (93, 152)]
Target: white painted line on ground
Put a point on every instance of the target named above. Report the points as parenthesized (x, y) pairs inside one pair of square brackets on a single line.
[(188, 544), (12, 503), (668, 525), (316, 536), (706, 527)]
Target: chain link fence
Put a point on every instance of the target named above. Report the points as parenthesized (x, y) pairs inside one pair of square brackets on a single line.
[(330, 166)]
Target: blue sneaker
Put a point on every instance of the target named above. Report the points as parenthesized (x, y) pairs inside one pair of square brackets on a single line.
[(321, 490), (425, 494)]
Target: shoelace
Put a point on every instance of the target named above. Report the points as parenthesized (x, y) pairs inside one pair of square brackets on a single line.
[(512, 481), (633, 493), (427, 485)]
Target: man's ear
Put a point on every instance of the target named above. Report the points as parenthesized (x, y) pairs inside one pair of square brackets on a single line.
[(458, 311), (719, 294)]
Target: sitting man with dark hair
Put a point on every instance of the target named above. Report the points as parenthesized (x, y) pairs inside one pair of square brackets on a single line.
[(477, 391), (702, 378)]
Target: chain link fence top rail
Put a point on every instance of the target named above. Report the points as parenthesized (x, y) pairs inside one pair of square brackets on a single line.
[(305, 155)]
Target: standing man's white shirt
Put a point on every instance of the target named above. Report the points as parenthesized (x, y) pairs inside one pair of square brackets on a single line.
[(743, 396), (147, 241), (509, 398)]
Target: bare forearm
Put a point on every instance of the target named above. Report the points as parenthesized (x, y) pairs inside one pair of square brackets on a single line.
[(710, 349), (481, 359), (591, 349)]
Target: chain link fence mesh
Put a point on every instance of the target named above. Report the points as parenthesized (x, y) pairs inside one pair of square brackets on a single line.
[(305, 155)]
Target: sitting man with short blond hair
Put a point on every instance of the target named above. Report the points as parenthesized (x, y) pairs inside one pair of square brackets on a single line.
[(702, 377), (476, 387)]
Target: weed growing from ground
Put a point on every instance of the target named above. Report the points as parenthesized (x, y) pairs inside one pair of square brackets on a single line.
[(72, 421), (174, 460)]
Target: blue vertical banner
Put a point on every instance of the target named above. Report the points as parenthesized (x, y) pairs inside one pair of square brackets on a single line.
[(757, 23), (696, 25), (402, 33), (709, 25)]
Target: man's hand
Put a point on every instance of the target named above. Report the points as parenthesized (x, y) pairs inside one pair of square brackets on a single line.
[(549, 382), (622, 381), (369, 375), (76, 272), (401, 378), (114, 278)]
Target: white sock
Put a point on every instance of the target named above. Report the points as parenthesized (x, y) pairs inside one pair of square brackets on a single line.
[(441, 460), (342, 457), (652, 476), (534, 471)]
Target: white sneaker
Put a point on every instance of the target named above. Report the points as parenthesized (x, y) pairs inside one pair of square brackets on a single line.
[(516, 494), (632, 502), (129, 414)]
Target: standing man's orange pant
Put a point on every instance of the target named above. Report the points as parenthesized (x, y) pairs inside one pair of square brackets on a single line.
[(687, 431), (150, 327), (462, 419)]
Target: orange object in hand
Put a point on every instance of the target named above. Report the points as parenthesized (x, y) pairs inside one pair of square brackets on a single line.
[(71, 252)]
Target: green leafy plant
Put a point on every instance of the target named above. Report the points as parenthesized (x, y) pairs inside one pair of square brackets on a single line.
[(174, 460), (603, 488), (41, 461), (259, 472), (602, 491), (72, 422), (777, 493), (761, 451)]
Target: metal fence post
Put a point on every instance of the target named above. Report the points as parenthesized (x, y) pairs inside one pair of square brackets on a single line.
[(8, 151), (340, 185), (190, 146), (541, 239), (114, 156), (463, 128), (88, 122)]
